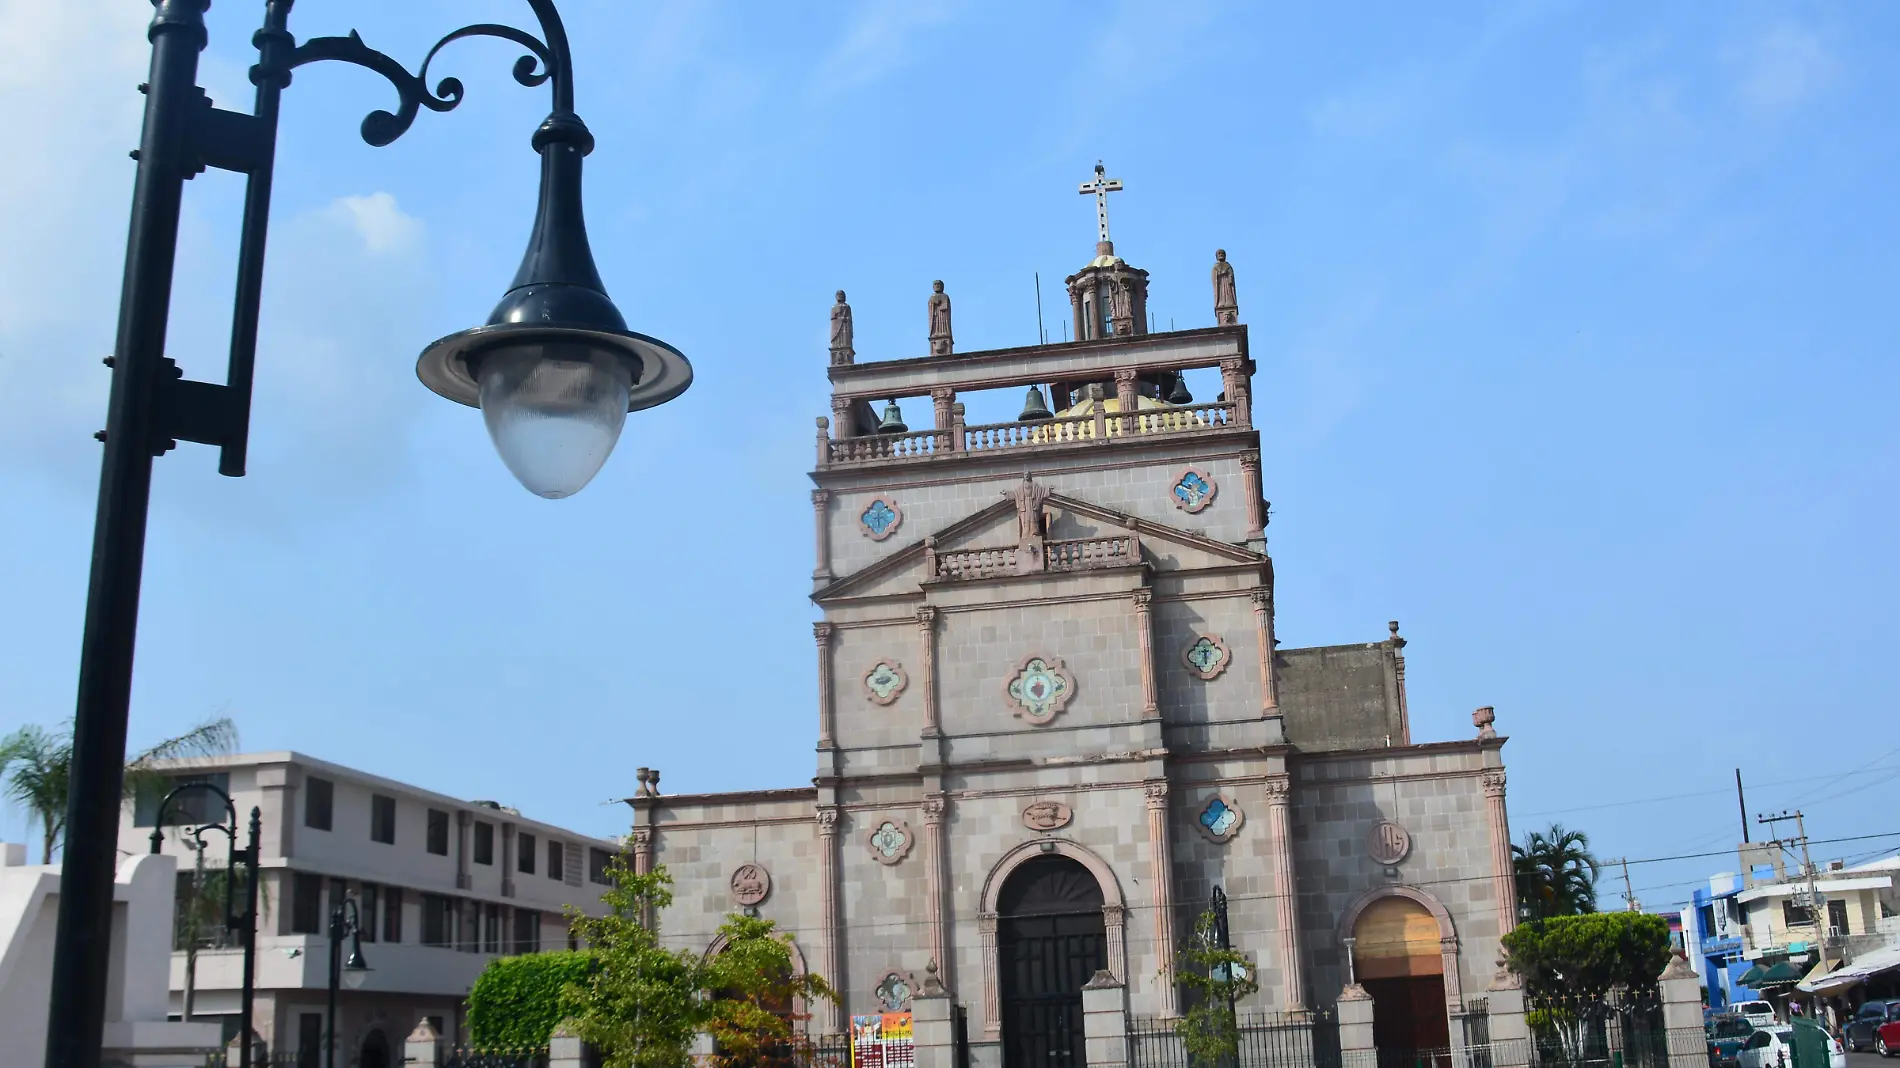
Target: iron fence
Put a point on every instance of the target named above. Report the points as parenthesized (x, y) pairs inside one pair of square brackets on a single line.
[(288, 1059), (1262, 1040), (465, 1057)]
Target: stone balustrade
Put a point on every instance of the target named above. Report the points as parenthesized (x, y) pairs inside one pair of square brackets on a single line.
[(1082, 554), (990, 438), (1079, 554), (973, 563)]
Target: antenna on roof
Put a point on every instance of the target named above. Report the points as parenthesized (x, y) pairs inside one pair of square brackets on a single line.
[(1042, 336)]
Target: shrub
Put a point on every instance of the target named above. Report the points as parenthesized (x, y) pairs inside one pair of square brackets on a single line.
[(516, 1001)]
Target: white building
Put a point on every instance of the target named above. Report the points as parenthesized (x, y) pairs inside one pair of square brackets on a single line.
[(442, 885)]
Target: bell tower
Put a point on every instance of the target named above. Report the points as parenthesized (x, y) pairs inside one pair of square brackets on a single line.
[(1107, 297)]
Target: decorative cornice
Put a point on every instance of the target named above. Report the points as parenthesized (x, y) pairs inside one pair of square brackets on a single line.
[(926, 617), (1493, 782), (1143, 597), (1156, 792), (1250, 460), (828, 820), (821, 633), (935, 806), (820, 497), (1278, 789)]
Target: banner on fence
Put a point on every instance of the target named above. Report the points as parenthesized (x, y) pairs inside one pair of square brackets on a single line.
[(883, 1041)]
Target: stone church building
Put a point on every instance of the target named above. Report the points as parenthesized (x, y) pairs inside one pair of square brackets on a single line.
[(1053, 715)]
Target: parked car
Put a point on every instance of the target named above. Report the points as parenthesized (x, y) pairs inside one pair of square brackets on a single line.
[(1726, 1035), (1836, 1056), (1860, 1027), (1759, 1013), (1768, 1047), (1887, 1038)]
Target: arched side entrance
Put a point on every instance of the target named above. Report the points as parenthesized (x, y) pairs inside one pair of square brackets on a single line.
[(375, 1051), (1405, 955), (796, 1009), (1052, 914)]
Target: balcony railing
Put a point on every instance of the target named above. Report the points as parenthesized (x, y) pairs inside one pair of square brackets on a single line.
[(1084, 553), (1078, 554), (990, 438)]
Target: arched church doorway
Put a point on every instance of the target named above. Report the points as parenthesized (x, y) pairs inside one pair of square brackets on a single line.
[(1398, 958), (375, 1052), (1050, 940)]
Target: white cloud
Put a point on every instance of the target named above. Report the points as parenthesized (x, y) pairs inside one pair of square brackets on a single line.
[(875, 43), (376, 218), (1782, 68)]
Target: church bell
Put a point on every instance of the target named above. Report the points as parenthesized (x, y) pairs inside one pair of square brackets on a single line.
[(893, 421), (1179, 394), (1034, 409)]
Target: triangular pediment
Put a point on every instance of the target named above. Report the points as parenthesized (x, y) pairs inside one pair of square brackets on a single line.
[(1070, 520)]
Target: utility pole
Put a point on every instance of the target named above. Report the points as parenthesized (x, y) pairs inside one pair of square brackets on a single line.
[(1816, 907), (1629, 896), (1741, 802)]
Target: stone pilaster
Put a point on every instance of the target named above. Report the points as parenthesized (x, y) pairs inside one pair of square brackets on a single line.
[(1503, 870), (1233, 374), (992, 997), (1144, 628), (927, 645), (277, 832), (841, 421), (833, 921), (935, 864), (1279, 794), (1256, 495), (1115, 923), (1262, 598), (642, 842), (1161, 881), (821, 534), (507, 860), (1125, 400), (463, 820), (827, 702), (941, 399)]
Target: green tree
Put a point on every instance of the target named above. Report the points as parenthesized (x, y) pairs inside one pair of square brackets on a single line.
[(517, 1001), (1556, 873), (1215, 978), (754, 991), (1586, 955)]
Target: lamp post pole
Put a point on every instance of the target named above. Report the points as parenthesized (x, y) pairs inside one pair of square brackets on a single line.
[(243, 924), (555, 355), (345, 922)]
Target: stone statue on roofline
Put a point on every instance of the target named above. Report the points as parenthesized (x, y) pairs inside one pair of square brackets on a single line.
[(939, 307), (841, 350), (1226, 304)]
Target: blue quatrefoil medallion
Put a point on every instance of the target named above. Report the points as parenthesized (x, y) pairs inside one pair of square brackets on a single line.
[(880, 518), (1194, 490), (1220, 819)]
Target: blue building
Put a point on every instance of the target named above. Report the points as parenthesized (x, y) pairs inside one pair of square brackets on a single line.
[(1713, 941)]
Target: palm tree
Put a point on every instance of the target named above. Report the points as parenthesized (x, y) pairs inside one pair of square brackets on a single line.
[(36, 764), (1556, 873)]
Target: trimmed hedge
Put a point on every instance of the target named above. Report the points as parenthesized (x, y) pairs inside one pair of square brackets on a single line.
[(517, 1001)]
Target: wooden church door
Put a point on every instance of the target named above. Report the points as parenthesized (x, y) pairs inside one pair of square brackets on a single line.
[(1050, 940)]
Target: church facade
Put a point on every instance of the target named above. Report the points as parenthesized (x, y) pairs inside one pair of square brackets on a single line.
[(1052, 716)]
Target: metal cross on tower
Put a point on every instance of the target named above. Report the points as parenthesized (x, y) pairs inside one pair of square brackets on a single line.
[(1101, 187)]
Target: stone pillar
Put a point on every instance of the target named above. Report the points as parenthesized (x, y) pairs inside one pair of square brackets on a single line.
[(992, 998), (1503, 870), (821, 534), (642, 842), (463, 880), (565, 1048), (827, 703), (841, 421), (1161, 880), (941, 399), (935, 806), (1355, 1029), (933, 1030), (927, 642), (508, 860), (1105, 1022), (957, 442), (1510, 1035), (1279, 791), (1262, 597), (1115, 929), (423, 1047), (1256, 495), (828, 906), (824, 441), (1233, 375), (1144, 627), (1125, 400), (1682, 1014)]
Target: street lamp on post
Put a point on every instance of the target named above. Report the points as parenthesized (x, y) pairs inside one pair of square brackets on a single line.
[(243, 923), (345, 922), (554, 369)]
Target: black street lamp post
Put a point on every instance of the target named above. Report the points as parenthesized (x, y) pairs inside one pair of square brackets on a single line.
[(345, 922), (555, 371), (243, 924)]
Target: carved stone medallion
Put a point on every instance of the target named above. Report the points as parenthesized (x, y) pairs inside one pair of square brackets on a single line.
[(1193, 490), (1388, 843), (893, 992), (1220, 818), (1206, 657), (880, 518), (889, 841), (1047, 815), (1040, 689), (885, 681), (751, 884)]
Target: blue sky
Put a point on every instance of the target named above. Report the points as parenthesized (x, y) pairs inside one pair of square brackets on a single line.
[(1573, 359)]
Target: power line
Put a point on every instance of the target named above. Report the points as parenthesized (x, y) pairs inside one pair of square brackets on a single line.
[(1831, 776)]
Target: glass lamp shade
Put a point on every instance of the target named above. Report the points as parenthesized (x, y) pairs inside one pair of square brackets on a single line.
[(554, 411), (356, 969)]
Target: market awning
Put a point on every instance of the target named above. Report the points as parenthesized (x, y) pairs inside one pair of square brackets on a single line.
[(1751, 977), (1856, 970), (1785, 972)]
